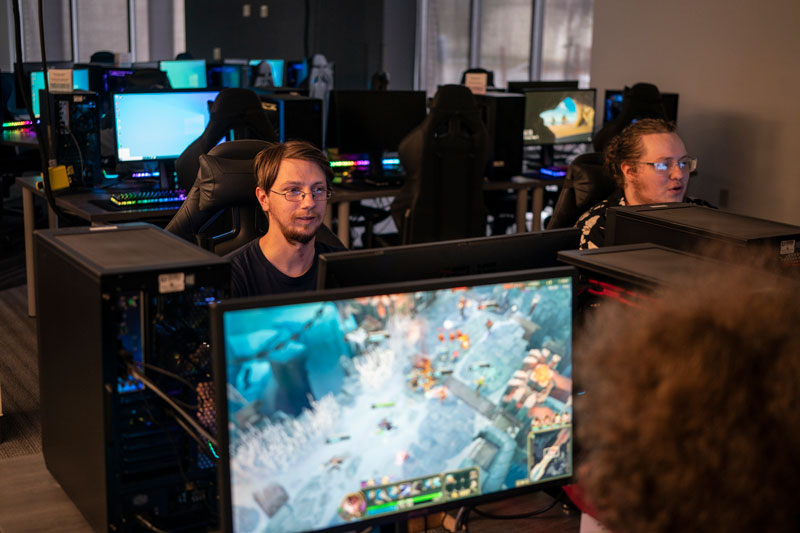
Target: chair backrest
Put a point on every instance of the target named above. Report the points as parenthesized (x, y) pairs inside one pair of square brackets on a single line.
[(586, 184), (233, 109), (444, 157), (225, 190)]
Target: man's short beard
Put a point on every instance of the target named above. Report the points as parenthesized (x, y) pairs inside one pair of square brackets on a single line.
[(295, 237)]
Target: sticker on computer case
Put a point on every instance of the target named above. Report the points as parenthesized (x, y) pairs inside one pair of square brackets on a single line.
[(788, 247), (174, 282)]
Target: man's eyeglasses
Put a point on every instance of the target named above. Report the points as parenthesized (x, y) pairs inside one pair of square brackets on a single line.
[(685, 164), (295, 194)]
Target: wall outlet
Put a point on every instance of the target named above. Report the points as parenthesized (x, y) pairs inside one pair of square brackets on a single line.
[(217, 53), (246, 10), (263, 11)]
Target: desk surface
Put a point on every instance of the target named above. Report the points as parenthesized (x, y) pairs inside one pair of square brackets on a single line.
[(19, 137), (80, 203)]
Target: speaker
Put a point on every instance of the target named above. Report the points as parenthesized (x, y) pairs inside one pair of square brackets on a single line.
[(108, 297), (295, 117), (504, 115)]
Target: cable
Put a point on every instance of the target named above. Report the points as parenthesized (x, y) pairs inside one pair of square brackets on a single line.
[(186, 417), (172, 375), (148, 525), (517, 516)]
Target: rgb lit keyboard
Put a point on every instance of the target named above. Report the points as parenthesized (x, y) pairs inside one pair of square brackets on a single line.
[(147, 198)]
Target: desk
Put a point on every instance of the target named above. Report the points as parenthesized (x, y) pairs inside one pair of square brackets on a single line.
[(19, 137), (521, 185), (78, 203)]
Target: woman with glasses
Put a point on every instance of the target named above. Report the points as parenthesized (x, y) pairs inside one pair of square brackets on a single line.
[(649, 162)]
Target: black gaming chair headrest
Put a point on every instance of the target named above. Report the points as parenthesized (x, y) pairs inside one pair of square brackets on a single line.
[(226, 175), (453, 98)]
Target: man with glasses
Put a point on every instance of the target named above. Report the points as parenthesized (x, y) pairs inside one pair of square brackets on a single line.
[(293, 188), (650, 165)]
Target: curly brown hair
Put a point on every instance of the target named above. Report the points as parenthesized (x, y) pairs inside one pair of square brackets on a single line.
[(627, 146), (691, 419), (268, 161)]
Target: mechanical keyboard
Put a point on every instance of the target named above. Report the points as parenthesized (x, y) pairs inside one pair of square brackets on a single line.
[(148, 198)]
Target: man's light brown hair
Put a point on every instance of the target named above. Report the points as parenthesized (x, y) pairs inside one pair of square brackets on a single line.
[(268, 161), (627, 146)]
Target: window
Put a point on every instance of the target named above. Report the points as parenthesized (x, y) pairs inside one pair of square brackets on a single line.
[(502, 36)]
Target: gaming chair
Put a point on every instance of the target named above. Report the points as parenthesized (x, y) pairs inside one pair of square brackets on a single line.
[(444, 158)]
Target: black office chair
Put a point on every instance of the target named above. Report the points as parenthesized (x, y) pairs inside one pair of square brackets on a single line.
[(643, 100), (585, 185), (234, 109), (225, 191), (445, 157)]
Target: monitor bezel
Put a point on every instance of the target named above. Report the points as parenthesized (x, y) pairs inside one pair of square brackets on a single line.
[(219, 308), (527, 241), (592, 133), (139, 93)]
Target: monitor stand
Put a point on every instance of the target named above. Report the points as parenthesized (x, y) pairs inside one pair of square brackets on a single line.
[(400, 526), (166, 169)]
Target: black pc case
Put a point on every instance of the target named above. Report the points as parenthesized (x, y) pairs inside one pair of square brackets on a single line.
[(703, 230), (504, 117), (294, 117), (129, 293)]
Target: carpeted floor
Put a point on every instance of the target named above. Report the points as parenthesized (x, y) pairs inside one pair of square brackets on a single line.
[(20, 425)]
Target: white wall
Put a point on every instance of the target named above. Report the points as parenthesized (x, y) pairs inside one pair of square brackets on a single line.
[(736, 66)]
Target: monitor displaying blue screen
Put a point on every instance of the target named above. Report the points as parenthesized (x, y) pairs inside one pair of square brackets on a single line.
[(337, 410), (185, 73), (80, 82), (225, 76), (159, 125), (276, 67)]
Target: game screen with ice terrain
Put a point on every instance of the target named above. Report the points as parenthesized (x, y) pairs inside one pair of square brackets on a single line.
[(345, 410)]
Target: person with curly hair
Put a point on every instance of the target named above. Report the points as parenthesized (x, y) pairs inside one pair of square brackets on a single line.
[(690, 421), (650, 164)]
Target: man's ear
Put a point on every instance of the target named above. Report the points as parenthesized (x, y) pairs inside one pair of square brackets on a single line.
[(263, 199)]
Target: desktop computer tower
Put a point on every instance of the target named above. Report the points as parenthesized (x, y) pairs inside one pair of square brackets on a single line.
[(504, 115), (295, 117), (73, 120), (704, 230), (106, 297)]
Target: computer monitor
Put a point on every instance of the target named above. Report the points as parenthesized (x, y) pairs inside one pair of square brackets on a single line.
[(225, 75), (341, 409), (558, 116), (262, 68), (522, 86), (80, 81), (373, 122), (297, 73), (185, 73), (159, 125), (479, 255), (613, 105)]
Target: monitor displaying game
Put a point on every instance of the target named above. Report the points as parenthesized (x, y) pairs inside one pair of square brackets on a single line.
[(556, 116), (80, 82), (478, 255), (337, 409), (185, 73), (159, 125)]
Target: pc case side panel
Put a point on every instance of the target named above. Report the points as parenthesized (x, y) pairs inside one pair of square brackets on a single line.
[(71, 379)]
